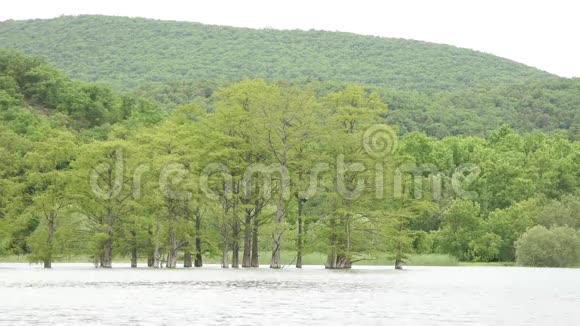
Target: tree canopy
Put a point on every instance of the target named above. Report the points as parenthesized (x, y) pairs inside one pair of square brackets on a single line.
[(134, 51), (249, 171)]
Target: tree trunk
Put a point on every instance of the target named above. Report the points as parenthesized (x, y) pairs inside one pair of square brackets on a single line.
[(107, 252), (107, 255), (173, 249), (172, 235), (187, 256), (226, 240), (277, 236), (246, 260), (336, 260), (198, 258), (50, 241), (399, 251), (236, 245), (157, 257), (300, 240), (150, 253), (333, 256), (171, 259), (236, 235), (187, 259), (157, 249), (225, 248), (255, 260), (134, 249), (247, 255), (134, 257), (398, 264)]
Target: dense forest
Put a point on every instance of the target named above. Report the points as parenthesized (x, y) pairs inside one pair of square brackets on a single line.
[(249, 171), (436, 89), (549, 106), (131, 52)]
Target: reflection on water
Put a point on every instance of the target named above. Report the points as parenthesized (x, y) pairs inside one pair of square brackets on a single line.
[(77, 293)]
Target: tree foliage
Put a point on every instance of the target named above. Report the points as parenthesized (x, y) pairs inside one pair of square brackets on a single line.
[(87, 47), (556, 247), (260, 166)]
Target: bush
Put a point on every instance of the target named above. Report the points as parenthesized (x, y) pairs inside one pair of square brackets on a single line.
[(461, 221), (423, 242), (542, 247), (486, 248)]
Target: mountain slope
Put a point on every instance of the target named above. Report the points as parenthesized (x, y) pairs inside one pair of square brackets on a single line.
[(31, 90), (541, 105), (133, 51), (546, 106)]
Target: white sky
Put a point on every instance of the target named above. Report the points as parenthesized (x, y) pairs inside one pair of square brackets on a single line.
[(543, 34)]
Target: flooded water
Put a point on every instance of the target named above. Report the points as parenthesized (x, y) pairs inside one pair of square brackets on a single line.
[(73, 294)]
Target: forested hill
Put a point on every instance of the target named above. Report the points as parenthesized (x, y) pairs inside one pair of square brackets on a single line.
[(542, 105), (34, 95), (135, 51)]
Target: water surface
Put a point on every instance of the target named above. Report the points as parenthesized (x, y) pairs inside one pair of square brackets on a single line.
[(71, 294)]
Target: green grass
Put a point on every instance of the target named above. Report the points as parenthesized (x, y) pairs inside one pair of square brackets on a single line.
[(316, 258), (499, 263), (72, 259), (13, 259), (289, 258), (432, 260)]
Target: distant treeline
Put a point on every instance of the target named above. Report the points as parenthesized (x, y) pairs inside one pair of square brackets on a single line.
[(547, 106)]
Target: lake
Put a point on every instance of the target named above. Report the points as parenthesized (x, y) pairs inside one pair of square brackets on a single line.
[(77, 293)]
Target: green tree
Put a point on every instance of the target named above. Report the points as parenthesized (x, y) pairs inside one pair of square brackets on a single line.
[(461, 224)]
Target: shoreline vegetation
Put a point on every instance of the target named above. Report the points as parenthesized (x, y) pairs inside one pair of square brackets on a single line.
[(269, 166), (316, 259), (256, 169)]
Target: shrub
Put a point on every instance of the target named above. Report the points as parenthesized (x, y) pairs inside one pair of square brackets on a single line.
[(486, 247), (423, 242), (542, 247)]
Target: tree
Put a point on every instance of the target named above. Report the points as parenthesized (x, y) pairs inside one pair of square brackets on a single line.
[(400, 238), (288, 126), (104, 200), (348, 115), (233, 149), (485, 247), (565, 212), (461, 223), (507, 225), (49, 176)]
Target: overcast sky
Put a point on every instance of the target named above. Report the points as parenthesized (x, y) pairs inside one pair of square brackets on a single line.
[(543, 34)]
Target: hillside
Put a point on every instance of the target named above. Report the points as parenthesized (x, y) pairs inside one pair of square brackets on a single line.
[(546, 106), (542, 105), (32, 92), (133, 51)]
